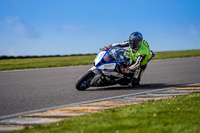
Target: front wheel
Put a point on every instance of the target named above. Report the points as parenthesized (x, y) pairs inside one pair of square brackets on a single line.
[(84, 81)]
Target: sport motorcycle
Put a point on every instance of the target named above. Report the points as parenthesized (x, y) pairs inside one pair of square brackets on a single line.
[(106, 69)]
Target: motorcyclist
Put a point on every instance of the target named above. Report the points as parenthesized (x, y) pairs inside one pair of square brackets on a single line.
[(139, 55)]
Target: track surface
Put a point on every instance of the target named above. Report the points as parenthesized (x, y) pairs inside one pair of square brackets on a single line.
[(26, 90)]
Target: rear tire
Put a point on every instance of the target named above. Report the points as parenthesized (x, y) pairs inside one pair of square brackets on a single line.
[(84, 81), (135, 82)]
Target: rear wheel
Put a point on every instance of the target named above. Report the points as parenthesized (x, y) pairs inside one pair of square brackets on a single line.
[(84, 81), (135, 82)]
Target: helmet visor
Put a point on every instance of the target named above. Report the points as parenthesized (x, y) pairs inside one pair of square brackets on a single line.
[(133, 44)]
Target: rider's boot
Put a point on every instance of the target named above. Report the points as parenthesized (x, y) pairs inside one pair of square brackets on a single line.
[(135, 82), (137, 76)]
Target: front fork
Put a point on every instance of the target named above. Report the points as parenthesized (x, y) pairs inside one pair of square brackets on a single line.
[(98, 75)]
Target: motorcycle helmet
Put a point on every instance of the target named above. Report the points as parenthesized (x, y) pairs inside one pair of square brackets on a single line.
[(134, 38)]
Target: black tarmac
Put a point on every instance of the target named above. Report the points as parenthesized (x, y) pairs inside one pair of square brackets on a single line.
[(26, 90)]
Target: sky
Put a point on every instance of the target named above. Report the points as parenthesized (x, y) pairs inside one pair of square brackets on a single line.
[(64, 27)]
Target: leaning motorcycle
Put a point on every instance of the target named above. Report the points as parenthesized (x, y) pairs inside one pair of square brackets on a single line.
[(106, 69)]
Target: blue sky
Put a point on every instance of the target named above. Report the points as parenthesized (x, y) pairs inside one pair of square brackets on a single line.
[(51, 27)]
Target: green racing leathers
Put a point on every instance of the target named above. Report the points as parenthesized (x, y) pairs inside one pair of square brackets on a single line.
[(138, 57)]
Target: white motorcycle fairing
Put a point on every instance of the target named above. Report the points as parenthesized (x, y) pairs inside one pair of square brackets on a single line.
[(106, 70)]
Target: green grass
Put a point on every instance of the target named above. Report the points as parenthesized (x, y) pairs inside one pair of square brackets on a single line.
[(176, 115), (177, 54), (30, 63)]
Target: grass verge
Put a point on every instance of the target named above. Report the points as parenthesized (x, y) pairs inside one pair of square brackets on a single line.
[(177, 54), (177, 115), (30, 63)]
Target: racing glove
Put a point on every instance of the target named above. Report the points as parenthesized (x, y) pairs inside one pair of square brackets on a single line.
[(125, 70), (107, 47)]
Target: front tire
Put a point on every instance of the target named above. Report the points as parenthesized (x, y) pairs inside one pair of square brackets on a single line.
[(84, 81)]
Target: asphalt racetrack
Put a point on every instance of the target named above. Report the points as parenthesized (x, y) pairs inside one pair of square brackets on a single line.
[(26, 90)]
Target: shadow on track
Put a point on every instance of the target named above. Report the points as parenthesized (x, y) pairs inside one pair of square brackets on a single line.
[(142, 86)]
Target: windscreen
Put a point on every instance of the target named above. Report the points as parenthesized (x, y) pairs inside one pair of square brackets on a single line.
[(116, 53)]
